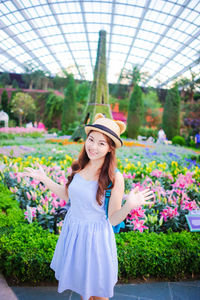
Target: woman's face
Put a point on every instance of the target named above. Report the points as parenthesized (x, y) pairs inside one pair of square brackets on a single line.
[(96, 145)]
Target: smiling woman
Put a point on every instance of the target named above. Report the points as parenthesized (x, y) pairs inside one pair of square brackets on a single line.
[(85, 258)]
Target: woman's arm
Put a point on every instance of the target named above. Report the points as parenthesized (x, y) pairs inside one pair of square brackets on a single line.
[(39, 174), (116, 213)]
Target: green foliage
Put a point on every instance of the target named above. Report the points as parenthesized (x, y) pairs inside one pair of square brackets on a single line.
[(53, 108), (26, 250), (12, 123), (69, 106), (26, 253), (135, 112), (123, 103), (171, 114), (6, 198), (59, 82), (4, 79), (163, 256), (151, 109), (15, 84), (82, 94), (120, 91), (21, 105), (178, 140), (4, 102)]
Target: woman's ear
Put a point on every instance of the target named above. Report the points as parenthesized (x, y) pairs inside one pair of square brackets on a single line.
[(98, 116), (122, 126)]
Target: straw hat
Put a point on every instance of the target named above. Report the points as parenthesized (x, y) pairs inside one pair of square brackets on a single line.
[(109, 127)]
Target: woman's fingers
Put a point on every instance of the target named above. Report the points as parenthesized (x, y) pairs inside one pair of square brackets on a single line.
[(149, 197)]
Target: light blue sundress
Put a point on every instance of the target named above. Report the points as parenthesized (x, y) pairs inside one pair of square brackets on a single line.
[(85, 258)]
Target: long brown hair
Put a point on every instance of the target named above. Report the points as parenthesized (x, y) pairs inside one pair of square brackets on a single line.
[(107, 172)]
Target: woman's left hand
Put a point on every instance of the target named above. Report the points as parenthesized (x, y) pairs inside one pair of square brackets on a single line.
[(136, 198)]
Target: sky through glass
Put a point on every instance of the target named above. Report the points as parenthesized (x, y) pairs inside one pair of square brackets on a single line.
[(161, 37)]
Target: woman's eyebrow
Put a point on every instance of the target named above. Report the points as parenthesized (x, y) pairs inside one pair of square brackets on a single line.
[(102, 141), (99, 140)]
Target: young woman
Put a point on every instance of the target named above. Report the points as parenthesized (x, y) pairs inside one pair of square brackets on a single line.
[(85, 258)]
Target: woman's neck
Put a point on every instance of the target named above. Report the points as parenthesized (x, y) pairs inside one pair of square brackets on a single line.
[(94, 166)]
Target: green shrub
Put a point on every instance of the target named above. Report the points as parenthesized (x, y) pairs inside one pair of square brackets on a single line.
[(26, 253), (10, 213), (135, 112), (171, 113), (36, 134), (6, 198), (162, 256), (192, 144), (53, 130), (26, 249), (178, 140)]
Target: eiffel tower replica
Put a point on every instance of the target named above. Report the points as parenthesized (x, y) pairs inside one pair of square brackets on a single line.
[(99, 95)]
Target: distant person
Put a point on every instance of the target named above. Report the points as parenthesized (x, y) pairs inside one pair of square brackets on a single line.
[(197, 139), (40, 125), (161, 136)]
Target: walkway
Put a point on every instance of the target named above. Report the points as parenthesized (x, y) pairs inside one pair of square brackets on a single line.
[(189, 290)]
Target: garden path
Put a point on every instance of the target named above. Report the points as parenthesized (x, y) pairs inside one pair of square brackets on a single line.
[(189, 290)]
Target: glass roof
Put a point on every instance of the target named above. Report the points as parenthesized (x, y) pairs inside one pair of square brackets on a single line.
[(161, 37)]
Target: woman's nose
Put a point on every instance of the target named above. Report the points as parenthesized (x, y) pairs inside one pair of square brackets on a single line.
[(94, 146)]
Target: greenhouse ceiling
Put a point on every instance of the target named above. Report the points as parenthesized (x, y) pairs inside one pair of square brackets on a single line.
[(161, 38)]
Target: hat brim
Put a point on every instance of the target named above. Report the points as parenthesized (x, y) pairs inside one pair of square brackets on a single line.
[(103, 129)]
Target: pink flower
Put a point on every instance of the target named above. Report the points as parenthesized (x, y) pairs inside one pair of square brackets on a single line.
[(28, 195), (62, 203), (136, 213), (128, 175), (54, 196), (18, 179), (14, 190), (190, 205), (184, 181), (34, 195), (169, 212), (35, 182), (139, 225), (54, 203), (156, 173), (33, 212)]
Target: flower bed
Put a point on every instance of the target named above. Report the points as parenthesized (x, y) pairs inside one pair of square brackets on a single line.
[(176, 187), (12, 132)]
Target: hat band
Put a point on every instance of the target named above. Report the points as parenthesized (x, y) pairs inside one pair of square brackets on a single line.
[(104, 128)]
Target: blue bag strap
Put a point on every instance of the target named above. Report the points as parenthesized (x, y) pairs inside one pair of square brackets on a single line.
[(116, 228)]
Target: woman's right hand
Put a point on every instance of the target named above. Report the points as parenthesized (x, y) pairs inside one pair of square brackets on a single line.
[(37, 174)]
